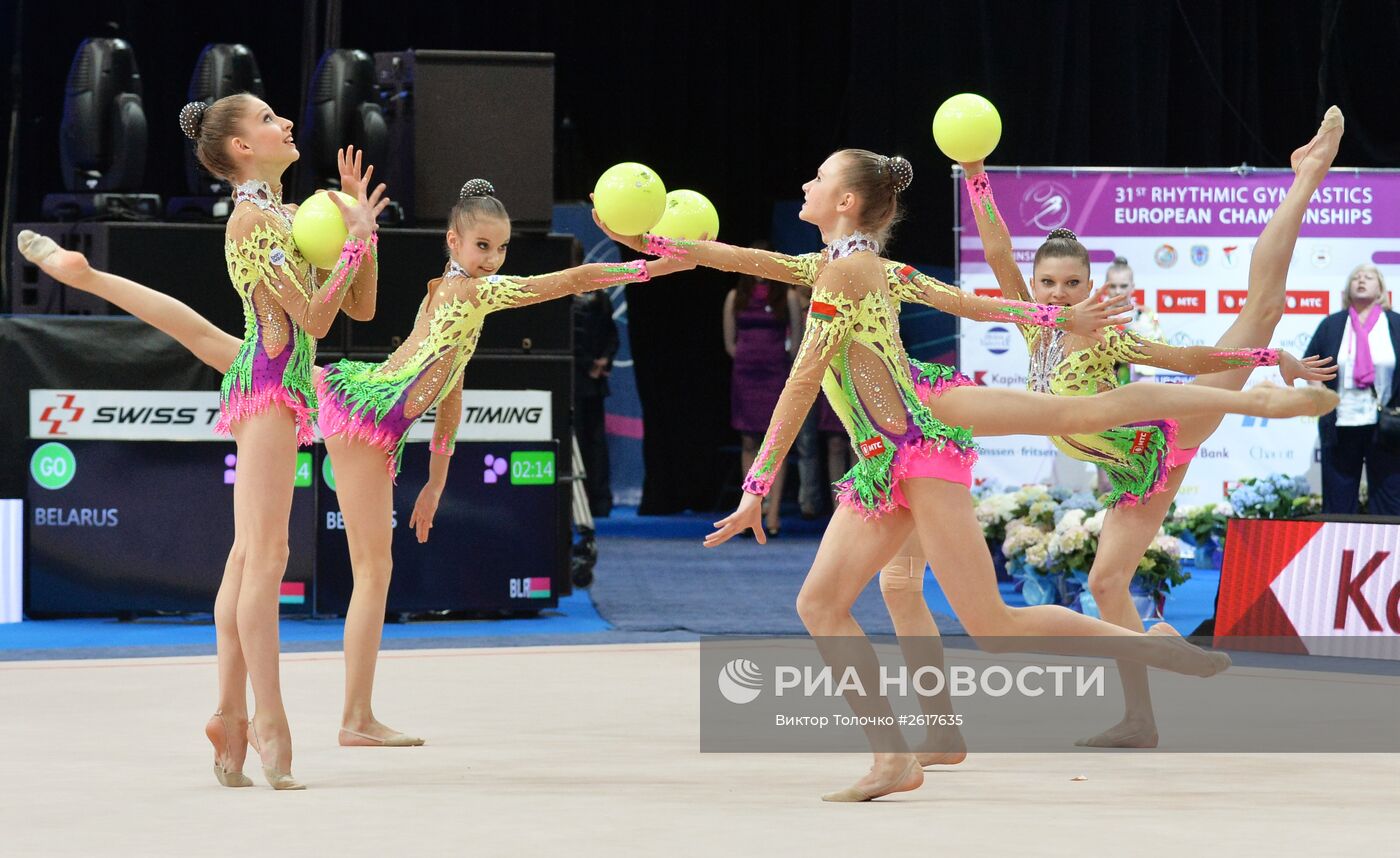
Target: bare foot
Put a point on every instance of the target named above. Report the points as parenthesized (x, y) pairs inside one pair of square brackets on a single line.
[(1188, 658), (1317, 153), (1274, 401), (372, 734), (899, 773), (943, 748), (229, 736), (1128, 733)]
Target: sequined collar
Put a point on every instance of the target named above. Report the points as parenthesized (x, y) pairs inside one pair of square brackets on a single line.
[(259, 193), (848, 244), (454, 268)]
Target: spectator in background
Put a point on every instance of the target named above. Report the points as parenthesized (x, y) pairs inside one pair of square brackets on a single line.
[(1364, 338), (595, 345), (1118, 281), (762, 325)]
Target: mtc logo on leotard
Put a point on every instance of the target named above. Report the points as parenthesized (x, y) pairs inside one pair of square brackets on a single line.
[(871, 447), (1144, 437)]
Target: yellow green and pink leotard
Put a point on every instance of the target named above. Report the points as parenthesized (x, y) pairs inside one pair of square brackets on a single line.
[(852, 351), (280, 298), (1137, 458), (377, 403)]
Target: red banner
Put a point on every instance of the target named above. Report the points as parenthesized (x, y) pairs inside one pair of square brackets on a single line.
[(1310, 581)]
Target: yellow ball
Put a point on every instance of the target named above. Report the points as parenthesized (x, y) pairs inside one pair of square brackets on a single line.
[(630, 198), (689, 214), (967, 127), (319, 230)]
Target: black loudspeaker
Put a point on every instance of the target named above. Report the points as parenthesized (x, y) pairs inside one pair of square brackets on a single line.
[(458, 115), (186, 261)]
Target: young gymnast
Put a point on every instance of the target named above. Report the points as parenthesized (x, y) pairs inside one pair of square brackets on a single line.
[(911, 425), (366, 409)]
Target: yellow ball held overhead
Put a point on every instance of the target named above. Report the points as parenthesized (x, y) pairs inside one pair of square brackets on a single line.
[(689, 215), (319, 230), (630, 198), (967, 127)]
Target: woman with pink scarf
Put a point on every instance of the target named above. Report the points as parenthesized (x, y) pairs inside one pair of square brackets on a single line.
[(1364, 338)]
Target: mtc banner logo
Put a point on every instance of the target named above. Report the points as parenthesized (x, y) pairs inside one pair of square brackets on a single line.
[(1312, 303), (1181, 300), (1333, 586)]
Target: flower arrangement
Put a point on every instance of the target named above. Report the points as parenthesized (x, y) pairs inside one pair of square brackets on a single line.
[(1274, 496), (1049, 538)]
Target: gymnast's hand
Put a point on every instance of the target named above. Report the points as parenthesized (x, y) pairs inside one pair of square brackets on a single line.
[(749, 515), (362, 220), (632, 241), (1097, 312), (1308, 369), (352, 179), (423, 511)]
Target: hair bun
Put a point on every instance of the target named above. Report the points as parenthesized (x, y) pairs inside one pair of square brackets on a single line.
[(1120, 260), (901, 173), (191, 116), (1062, 233), (477, 188)]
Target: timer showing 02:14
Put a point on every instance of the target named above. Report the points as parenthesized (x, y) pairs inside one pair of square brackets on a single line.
[(532, 468)]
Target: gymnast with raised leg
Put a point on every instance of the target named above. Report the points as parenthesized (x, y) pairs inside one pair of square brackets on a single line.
[(912, 425), (268, 399), (1147, 463), (367, 409)]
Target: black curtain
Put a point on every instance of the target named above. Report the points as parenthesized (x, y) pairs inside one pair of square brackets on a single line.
[(743, 100)]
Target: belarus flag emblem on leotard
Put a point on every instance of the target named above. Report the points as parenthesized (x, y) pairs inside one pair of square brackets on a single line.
[(823, 311)]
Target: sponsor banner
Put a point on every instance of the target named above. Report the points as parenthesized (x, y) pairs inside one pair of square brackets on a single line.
[(1189, 239), (185, 415), (1324, 588)]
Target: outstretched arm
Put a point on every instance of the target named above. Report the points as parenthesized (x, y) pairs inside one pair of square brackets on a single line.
[(500, 292), (174, 318), (996, 240), (764, 264), (1129, 347), (1088, 317)]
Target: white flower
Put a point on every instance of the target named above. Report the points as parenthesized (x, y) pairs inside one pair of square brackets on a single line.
[(1019, 535), (1072, 519), (1069, 540), (1036, 555), (995, 509), (1094, 525), (1224, 508)]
